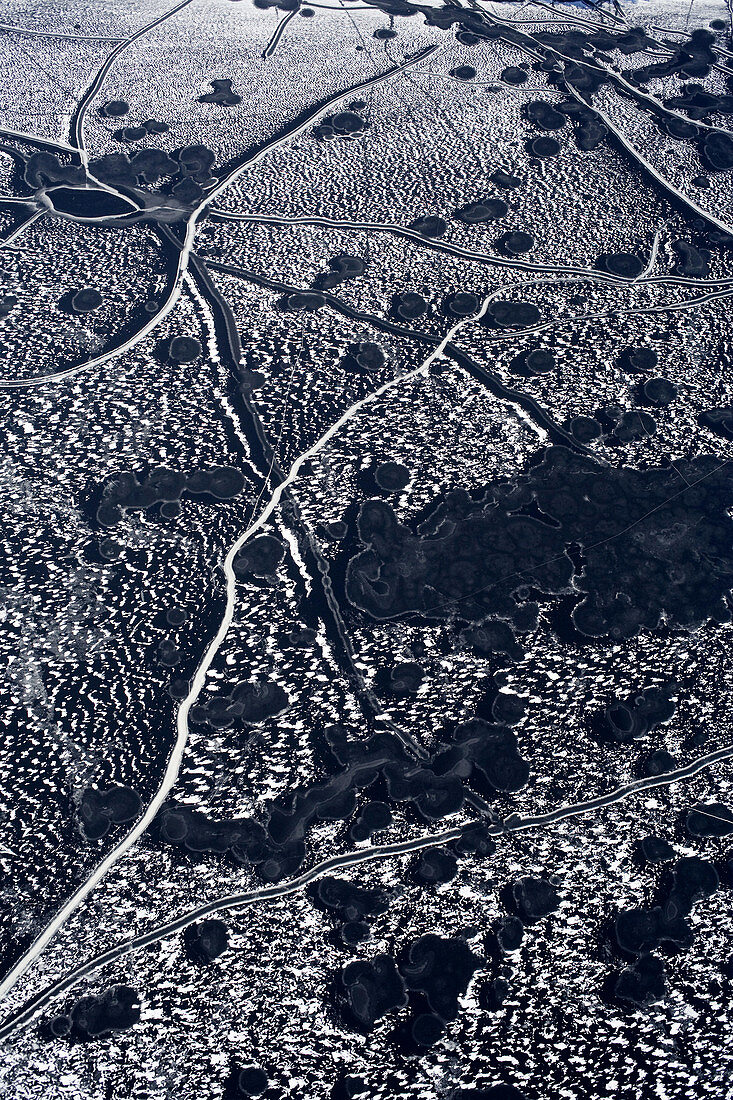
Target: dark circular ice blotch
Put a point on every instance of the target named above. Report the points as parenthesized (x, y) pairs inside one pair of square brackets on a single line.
[(347, 122), (206, 940), (372, 818), (259, 557), (510, 934), (709, 819), (539, 361), (505, 180), (133, 133), (307, 300), (463, 303), (435, 865), (654, 849), (516, 242), (535, 898), (405, 678), (543, 147), (60, 1026), (430, 225), (543, 115), (638, 360), (392, 476), (409, 306), (508, 314), (369, 356), (440, 968), (643, 982), (370, 989), (86, 299), (514, 75), (483, 211), (658, 392), (585, 428), (355, 931), (719, 421), (99, 810), (252, 1081), (717, 151), (427, 1029), (463, 72), (114, 1010), (627, 265), (184, 349), (115, 108)]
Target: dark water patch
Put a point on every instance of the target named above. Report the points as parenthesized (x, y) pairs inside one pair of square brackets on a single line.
[(370, 989), (248, 702), (130, 134), (206, 940), (259, 557), (114, 108), (222, 93), (405, 678), (427, 1029), (8, 302), (373, 818), (97, 1016), (131, 491), (86, 299), (392, 477), (88, 202), (637, 528), (99, 810), (585, 429), (430, 225), (366, 357), (712, 819), (691, 261), (484, 210)]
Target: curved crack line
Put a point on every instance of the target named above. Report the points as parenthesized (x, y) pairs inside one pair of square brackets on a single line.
[(513, 824), (79, 117), (541, 418), (249, 160), (176, 757), (272, 471), (630, 149), (277, 34)]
